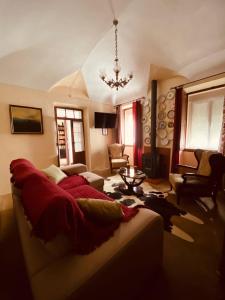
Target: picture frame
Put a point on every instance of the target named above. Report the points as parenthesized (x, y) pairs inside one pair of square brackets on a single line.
[(25, 119)]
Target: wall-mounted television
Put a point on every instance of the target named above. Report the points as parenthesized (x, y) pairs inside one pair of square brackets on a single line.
[(105, 120)]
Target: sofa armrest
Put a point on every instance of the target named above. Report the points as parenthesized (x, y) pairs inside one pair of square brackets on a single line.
[(74, 169)]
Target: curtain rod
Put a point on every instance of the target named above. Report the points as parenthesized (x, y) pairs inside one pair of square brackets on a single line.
[(194, 81), (131, 101)]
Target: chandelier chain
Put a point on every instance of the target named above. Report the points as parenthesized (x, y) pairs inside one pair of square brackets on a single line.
[(116, 47), (118, 82)]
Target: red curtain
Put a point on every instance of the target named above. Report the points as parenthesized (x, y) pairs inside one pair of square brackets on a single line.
[(138, 151), (118, 124), (177, 129)]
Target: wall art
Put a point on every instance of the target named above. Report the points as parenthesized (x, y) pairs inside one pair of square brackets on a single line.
[(24, 119)]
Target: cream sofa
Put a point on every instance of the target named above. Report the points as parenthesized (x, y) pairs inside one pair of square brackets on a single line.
[(115, 270)]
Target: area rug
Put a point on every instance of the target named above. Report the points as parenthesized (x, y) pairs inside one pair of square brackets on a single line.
[(151, 199)]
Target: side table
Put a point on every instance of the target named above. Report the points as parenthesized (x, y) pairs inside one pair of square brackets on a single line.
[(132, 177)]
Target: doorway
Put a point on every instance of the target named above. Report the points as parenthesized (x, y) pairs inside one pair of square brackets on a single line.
[(70, 135)]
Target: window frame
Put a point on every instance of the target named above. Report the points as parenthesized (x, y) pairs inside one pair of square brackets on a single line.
[(186, 115), (124, 110)]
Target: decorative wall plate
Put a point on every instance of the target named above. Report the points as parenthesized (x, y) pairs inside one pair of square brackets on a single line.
[(170, 124), (164, 142), (170, 136), (170, 114), (162, 125), (148, 116), (147, 140), (162, 106), (162, 133), (170, 95), (146, 109), (146, 102), (144, 119), (161, 115), (146, 129), (162, 99)]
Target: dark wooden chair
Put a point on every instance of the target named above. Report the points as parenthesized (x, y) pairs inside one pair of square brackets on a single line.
[(202, 181)]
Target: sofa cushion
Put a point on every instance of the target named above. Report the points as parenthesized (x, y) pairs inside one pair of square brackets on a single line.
[(54, 173), (104, 211), (74, 169)]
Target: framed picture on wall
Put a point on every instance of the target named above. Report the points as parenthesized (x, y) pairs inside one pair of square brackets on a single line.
[(24, 119)]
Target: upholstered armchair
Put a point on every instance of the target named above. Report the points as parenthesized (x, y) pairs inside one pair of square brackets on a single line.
[(117, 158), (202, 181)]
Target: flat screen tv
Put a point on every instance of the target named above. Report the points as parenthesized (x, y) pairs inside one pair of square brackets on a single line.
[(105, 120)]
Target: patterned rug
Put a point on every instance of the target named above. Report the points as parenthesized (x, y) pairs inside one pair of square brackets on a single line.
[(151, 199)]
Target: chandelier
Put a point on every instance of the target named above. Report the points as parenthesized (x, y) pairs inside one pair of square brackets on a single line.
[(118, 82)]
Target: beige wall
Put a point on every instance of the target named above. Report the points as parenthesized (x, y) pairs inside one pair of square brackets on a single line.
[(41, 149)]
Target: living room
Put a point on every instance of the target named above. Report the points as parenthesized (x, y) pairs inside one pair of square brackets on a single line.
[(47, 64)]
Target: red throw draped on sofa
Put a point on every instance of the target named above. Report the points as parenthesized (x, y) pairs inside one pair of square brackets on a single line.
[(138, 151)]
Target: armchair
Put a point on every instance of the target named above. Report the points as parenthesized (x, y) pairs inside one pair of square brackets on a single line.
[(204, 180), (117, 158)]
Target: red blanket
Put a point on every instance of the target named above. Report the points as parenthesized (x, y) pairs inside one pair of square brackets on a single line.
[(21, 169)]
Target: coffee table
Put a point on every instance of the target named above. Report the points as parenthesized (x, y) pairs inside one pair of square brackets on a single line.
[(132, 177)]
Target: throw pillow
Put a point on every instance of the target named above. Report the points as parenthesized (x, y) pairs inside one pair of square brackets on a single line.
[(54, 173), (101, 210), (204, 165)]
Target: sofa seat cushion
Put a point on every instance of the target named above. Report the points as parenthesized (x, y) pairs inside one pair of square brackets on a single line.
[(72, 182), (95, 180)]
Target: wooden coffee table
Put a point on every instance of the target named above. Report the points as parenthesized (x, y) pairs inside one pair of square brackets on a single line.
[(132, 177)]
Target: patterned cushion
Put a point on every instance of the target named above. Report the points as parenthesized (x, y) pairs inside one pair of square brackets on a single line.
[(204, 165)]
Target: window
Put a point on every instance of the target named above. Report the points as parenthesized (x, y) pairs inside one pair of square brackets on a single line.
[(128, 127), (204, 119)]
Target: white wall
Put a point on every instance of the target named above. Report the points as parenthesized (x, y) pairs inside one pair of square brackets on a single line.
[(41, 149)]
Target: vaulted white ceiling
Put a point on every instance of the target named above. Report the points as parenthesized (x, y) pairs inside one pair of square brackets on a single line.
[(44, 41)]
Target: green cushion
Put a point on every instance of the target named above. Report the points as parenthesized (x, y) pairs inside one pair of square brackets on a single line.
[(101, 210)]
